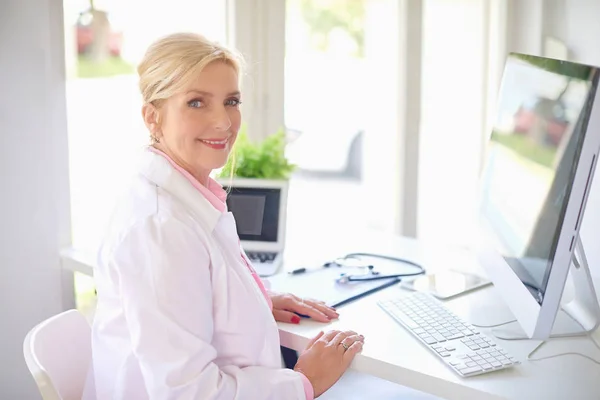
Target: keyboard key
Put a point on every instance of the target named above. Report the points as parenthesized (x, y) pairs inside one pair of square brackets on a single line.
[(466, 371), (409, 322), (439, 338), (429, 340)]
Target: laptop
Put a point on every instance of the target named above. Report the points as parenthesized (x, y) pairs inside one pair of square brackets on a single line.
[(259, 208)]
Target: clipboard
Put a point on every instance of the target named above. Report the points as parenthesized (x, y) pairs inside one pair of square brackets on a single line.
[(321, 284)]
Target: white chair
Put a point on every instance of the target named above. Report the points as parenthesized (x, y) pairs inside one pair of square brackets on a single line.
[(58, 352)]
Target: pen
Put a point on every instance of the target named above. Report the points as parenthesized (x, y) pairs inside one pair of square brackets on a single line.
[(297, 271), (302, 270)]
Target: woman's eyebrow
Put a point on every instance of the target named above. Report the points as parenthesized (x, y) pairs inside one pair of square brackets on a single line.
[(208, 94)]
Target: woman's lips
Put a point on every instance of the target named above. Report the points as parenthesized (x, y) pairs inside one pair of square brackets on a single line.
[(217, 144)]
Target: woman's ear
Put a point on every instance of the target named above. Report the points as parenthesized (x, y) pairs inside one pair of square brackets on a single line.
[(151, 120)]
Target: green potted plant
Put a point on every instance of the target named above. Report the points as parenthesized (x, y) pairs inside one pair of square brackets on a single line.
[(258, 165), (258, 160)]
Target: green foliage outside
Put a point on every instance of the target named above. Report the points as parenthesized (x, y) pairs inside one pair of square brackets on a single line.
[(561, 67), (523, 146), (262, 160), (112, 66), (323, 16)]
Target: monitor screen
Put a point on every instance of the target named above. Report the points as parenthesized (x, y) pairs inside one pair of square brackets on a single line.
[(542, 113), (256, 212)]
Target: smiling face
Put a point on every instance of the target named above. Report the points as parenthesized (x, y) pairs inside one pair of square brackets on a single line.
[(198, 126)]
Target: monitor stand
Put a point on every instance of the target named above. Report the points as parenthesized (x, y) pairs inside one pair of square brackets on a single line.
[(584, 309)]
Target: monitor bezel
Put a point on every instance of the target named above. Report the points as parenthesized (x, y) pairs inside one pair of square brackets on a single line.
[(251, 183), (536, 319)]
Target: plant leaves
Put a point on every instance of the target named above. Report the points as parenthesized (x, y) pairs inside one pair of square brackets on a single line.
[(264, 160)]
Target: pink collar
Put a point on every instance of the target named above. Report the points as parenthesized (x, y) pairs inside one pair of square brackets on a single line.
[(214, 192)]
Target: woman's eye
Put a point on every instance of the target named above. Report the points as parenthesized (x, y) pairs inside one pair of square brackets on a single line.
[(233, 102), (195, 103)]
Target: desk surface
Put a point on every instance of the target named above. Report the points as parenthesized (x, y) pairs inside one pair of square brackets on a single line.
[(390, 352)]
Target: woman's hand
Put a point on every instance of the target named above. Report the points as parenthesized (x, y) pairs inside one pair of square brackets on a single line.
[(327, 357), (287, 306)]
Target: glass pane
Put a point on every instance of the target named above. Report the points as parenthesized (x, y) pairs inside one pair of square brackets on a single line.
[(325, 98), (452, 117)]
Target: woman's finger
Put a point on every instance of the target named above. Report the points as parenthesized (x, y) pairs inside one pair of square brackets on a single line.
[(286, 316), (322, 307), (313, 340), (349, 341), (301, 307), (349, 354), (337, 340), (316, 301), (327, 337)]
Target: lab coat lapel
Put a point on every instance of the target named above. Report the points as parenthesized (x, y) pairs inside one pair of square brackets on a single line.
[(158, 170)]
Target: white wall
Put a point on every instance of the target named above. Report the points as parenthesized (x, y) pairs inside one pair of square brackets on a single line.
[(575, 22), (34, 208)]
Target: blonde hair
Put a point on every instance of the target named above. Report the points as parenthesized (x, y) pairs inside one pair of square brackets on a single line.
[(171, 62)]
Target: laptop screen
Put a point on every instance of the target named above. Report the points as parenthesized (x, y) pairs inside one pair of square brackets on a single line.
[(256, 212)]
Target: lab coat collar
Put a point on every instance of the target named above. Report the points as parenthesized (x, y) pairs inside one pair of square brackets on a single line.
[(158, 170)]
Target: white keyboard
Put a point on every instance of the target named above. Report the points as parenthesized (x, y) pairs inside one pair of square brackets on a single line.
[(460, 345), (265, 263)]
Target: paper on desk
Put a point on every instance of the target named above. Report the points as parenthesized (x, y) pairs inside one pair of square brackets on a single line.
[(321, 284)]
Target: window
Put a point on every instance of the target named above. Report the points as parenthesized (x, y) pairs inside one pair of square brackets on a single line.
[(327, 92), (461, 67)]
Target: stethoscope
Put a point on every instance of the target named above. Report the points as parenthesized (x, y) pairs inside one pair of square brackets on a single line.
[(353, 260)]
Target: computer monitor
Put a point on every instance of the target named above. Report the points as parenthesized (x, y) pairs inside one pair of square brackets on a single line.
[(536, 178), (259, 209)]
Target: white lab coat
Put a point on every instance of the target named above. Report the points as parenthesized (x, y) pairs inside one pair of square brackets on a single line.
[(179, 316)]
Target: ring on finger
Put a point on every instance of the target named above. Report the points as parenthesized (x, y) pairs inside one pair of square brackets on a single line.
[(346, 343)]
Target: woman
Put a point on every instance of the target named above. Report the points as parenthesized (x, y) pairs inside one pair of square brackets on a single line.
[(181, 314)]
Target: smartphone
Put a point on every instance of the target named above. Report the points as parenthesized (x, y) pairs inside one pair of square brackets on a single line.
[(445, 284)]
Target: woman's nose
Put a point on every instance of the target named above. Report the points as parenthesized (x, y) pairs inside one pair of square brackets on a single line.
[(221, 119)]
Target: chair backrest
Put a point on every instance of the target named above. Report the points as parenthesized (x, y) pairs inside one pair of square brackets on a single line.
[(58, 353)]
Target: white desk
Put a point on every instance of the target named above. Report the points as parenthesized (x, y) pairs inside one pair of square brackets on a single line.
[(391, 353)]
